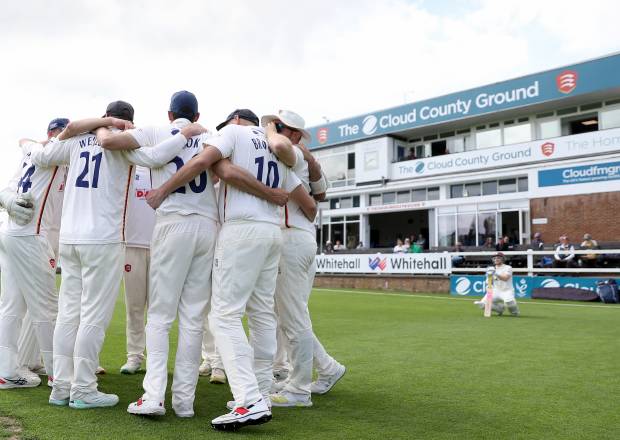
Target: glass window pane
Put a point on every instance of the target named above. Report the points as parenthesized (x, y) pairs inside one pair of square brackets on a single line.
[(466, 229), (324, 205), (375, 199), (337, 219), (549, 129), (507, 186), (352, 218), (488, 138), (351, 161), (456, 191), (486, 227), (432, 193), (335, 168), (353, 235), (489, 188), (456, 145), (346, 202), (515, 134), (333, 204), (403, 197), (418, 195), (356, 201), (445, 227), (522, 184), (610, 118), (472, 190), (389, 198)]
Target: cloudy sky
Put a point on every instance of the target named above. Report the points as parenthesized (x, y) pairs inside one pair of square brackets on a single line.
[(323, 59)]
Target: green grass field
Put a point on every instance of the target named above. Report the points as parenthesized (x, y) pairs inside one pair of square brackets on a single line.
[(419, 366)]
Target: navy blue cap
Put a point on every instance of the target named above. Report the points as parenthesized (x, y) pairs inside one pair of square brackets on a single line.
[(243, 113), (57, 123), (120, 110), (184, 104)]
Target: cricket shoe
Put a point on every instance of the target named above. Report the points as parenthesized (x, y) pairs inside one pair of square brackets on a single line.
[(325, 383), (146, 408), (39, 369), (255, 414), (218, 376), (59, 398), (131, 366), (19, 381), (231, 404), (288, 399), (276, 387), (96, 399), (205, 368)]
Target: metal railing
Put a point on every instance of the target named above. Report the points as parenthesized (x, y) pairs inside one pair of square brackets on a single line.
[(530, 269)]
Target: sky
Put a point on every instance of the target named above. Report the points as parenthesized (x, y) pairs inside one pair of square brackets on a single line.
[(323, 59)]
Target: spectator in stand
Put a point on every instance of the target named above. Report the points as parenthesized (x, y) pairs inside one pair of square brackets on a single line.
[(411, 155), (329, 248), (400, 247), (588, 260), (360, 245), (564, 254), (339, 246), (421, 241), (458, 260), (537, 243), (488, 243), (407, 245), (503, 244)]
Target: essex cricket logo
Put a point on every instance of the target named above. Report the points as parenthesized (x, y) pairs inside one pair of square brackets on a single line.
[(377, 262), (547, 148), (53, 263), (322, 135), (566, 81), (128, 268)]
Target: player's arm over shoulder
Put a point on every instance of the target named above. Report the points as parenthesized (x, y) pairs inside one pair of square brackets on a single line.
[(55, 152)]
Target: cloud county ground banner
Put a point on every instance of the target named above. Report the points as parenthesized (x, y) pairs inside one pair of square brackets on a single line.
[(379, 264)]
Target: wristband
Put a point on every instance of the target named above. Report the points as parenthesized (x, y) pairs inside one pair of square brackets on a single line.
[(320, 186)]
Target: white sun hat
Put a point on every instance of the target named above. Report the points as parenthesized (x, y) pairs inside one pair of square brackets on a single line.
[(290, 119)]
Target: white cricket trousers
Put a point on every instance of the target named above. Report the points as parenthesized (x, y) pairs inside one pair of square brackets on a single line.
[(28, 351), (28, 284), (294, 285), (91, 278), (209, 350), (136, 277), (181, 261), (244, 281)]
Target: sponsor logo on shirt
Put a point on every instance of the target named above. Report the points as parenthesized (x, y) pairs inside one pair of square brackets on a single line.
[(128, 268)]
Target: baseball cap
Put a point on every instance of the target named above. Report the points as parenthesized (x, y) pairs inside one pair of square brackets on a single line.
[(184, 104), (57, 123), (499, 255), (121, 110), (243, 113)]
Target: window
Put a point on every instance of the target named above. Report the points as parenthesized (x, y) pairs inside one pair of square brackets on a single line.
[(489, 138), (522, 184), (375, 199), (439, 148), (610, 118), (486, 227), (489, 188), (346, 202), (334, 203), (456, 191), (580, 124), (418, 195), (433, 193), (350, 161), (403, 197), (446, 230), (356, 201), (507, 186), (549, 129), (472, 190), (466, 229), (515, 134), (389, 198)]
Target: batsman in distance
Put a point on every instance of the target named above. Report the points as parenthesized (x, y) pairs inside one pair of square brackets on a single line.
[(501, 289)]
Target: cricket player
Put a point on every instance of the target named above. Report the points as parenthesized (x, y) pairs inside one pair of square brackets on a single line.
[(28, 261), (92, 249), (503, 289), (246, 259), (140, 223), (182, 249)]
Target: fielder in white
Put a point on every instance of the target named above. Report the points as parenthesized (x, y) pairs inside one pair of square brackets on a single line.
[(28, 261), (140, 223), (503, 288), (246, 260), (92, 249)]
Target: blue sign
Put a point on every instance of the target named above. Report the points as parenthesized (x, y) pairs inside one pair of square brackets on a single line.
[(473, 285), (579, 174), (587, 77)]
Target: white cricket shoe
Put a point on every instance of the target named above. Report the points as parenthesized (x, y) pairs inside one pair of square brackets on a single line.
[(254, 414), (131, 366), (96, 399), (39, 369), (218, 376), (19, 381), (146, 408), (59, 397), (231, 403), (286, 398), (325, 383), (205, 368)]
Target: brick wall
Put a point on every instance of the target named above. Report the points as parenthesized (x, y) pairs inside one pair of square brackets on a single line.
[(596, 214), (426, 284)]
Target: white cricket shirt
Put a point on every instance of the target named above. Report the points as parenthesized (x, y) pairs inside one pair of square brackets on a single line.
[(46, 185), (246, 146), (294, 217), (196, 197), (140, 216), (502, 287)]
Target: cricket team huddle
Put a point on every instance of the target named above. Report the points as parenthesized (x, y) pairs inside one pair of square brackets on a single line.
[(204, 227)]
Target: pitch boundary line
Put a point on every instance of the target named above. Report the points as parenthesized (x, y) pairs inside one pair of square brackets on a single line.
[(369, 292)]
